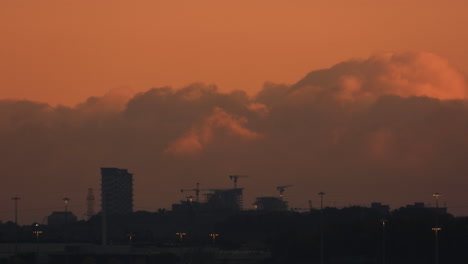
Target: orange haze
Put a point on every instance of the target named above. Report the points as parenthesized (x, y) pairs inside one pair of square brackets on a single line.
[(365, 100), (62, 51)]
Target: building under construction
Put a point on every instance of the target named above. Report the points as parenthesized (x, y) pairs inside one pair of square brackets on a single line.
[(216, 200), (270, 204), (188, 206), (224, 199)]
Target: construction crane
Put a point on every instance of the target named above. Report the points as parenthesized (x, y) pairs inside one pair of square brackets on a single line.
[(281, 189), (196, 190), (235, 177)]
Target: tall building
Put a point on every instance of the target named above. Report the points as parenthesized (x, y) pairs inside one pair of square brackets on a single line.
[(116, 191)]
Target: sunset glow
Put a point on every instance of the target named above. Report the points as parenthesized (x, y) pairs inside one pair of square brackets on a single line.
[(355, 97)]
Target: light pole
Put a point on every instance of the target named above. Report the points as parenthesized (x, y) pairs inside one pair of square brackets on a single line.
[(130, 238), (321, 226), (384, 225), (181, 236), (130, 242), (436, 232), (37, 232), (437, 196), (436, 229), (213, 237), (16, 198), (65, 200)]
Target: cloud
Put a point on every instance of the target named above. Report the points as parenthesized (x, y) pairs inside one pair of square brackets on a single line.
[(198, 137), (259, 108), (361, 130), (402, 74), (113, 101)]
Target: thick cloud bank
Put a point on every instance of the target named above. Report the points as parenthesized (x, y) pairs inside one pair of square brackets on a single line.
[(390, 128)]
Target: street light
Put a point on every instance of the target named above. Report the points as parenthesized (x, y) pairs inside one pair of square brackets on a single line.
[(130, 237), (436, 232), (181, 236), (437, 228), (65, 200), (384, 225), (16, 198), (321, 226), (130, 241), (213, 237), (37, 233), (437, 196)]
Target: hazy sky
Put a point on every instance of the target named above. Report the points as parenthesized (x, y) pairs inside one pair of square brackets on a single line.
[(363, 99)]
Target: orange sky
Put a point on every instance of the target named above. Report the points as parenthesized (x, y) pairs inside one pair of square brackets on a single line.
[(385, 118), (62, 51)]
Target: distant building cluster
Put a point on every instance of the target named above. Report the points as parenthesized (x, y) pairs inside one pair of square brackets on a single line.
[(117, 199)]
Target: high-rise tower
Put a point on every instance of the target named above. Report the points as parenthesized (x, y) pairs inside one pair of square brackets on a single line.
[(116, 195), (116, 191)]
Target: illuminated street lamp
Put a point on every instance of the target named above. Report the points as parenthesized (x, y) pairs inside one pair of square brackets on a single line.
[(436, 232), (16, 198), (437, 196), (181, 236), (130, 241), (213, 237), (321, 226), (37, 232), (65, 200), (384, 225), (190, 199), (130, 237), (437, 228)]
